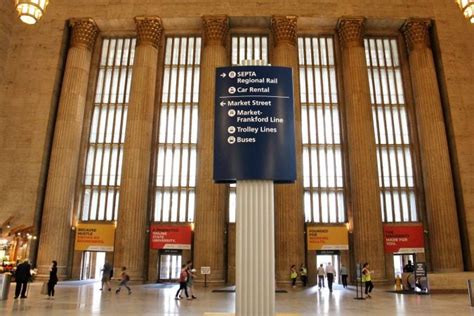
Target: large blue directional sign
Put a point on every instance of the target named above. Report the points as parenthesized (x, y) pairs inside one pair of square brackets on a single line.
[(254, 134)]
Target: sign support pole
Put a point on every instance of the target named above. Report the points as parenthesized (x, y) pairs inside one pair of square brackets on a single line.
[(255, 253), (254, 146)]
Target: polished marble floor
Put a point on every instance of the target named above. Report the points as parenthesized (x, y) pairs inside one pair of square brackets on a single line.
[(85, 298)]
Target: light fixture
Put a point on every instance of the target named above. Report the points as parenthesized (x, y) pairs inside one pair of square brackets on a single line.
[(467, 7), (30, 11), (8, 225)]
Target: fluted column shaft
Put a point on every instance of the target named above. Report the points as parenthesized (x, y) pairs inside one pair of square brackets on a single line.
[(289, 214), (209, 237), (364, 186), (445, 244), (255, 255), (60, 191), (131, 238)]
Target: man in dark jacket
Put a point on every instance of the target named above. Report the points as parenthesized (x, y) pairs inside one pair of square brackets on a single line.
[(22, 277)]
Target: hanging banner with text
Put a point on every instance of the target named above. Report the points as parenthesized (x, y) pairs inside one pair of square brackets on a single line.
[(327, 238), (170, 237), (403, 239), (95, 237), (254, 132)]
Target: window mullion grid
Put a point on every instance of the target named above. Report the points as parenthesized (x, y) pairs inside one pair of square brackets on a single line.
[(404, 145), (339, 144), (387, 189), (97, 142), (396, 146), (318, 148), (103, 190), (324, 144), (310, 166), (122, 124), (90, 145), (183, 123), (331, 107), (175, 146), (191, 123), (166, 119), (112, 142), (377, 130)]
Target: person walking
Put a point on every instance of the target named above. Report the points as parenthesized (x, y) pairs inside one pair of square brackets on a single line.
[(189, 282), (321, 275), (303, 274), (22, 277), (183, 276), (367, 279), (53, 279), (107, 271), (124, 278), (293, 275), (330, 274), (343, 273)]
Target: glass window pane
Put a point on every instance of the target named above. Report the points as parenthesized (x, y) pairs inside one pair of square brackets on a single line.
[(321, 134), (177, 131), (390, 128), (107, 131)]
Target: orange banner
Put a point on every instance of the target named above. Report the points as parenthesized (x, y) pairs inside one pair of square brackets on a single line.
[(95, 237), (327, 238)]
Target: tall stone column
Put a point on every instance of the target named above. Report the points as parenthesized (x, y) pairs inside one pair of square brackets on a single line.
[(443, 235), (131, 237), (61, 185), (361, 149), (210, 237), (289, 213)]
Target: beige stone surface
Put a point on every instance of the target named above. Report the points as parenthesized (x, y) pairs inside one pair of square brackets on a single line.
[(60, 192), (289, 213), (130, 240), (209, 231), (435, 165), (449, 281), (361, 148)]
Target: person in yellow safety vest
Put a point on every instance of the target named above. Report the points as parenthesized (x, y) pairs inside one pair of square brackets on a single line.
[(293, 275), (367, 279)]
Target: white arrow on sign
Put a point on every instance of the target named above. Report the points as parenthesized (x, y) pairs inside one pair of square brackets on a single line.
[(223, 75), (222, 103)]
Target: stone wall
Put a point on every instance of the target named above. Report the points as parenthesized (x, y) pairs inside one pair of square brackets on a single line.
[(32, 57)]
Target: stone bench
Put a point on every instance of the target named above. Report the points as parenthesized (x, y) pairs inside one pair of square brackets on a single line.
[(455, 282)]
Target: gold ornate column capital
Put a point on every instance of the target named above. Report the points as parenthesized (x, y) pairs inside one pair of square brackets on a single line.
[(216, 28), (416, 32), (351, 31), (149, 30), (284, 29), (84, 32)]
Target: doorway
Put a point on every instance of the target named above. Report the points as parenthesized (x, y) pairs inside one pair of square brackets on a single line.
[(92, 264), (400, 260), (329, 256), (169, 265)]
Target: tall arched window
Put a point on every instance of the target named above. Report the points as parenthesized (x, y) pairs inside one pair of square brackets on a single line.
[(392, 134), (101, 180), (175, 181), (323, 179)]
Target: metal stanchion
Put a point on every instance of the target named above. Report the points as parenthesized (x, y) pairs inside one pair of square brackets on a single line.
[(359, 296)]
